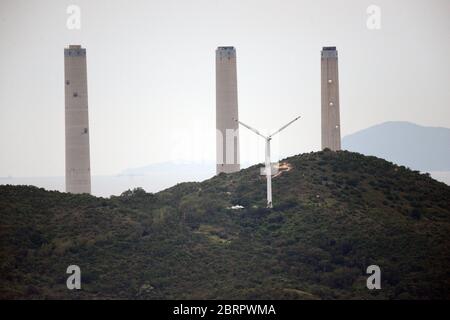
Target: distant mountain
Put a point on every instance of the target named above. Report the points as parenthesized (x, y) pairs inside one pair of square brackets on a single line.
[(335, 214), (420, 148)]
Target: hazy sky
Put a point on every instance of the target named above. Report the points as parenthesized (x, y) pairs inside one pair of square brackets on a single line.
[(151, 77)]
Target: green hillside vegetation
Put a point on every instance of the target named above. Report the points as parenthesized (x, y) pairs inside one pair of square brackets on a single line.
[(335, 213)]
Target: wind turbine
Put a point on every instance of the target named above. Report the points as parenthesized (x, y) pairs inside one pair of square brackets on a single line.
[(268, 164)]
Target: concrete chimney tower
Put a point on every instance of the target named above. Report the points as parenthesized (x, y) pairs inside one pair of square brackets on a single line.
[(78, 169), (331, 125), (227, 133)]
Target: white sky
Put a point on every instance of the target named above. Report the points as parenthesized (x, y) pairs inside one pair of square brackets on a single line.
[(151, 75)]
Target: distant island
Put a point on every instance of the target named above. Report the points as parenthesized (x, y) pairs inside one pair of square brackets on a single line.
[(417, 147)]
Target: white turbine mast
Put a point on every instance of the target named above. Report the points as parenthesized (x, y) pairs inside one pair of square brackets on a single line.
[(268, 168)]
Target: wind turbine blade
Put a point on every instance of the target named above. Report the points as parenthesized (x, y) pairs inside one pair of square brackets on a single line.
[(284, 127), (250, 128)]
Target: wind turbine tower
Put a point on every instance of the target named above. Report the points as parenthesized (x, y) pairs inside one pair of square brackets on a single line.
[(268, 164)]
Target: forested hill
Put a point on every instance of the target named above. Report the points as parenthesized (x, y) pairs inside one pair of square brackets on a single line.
[(335, 213)]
